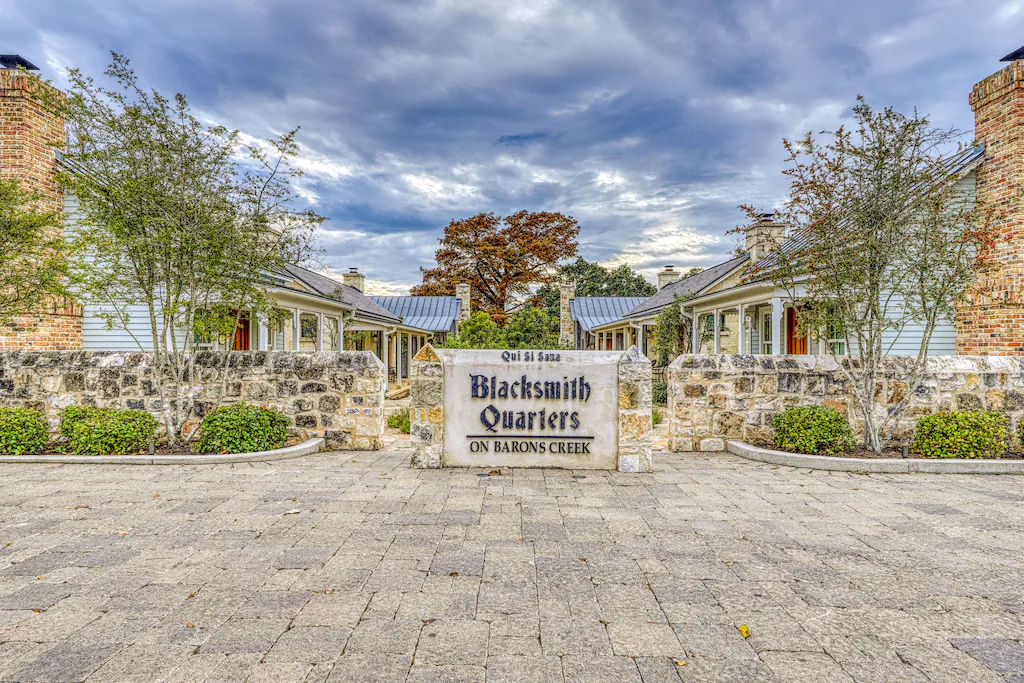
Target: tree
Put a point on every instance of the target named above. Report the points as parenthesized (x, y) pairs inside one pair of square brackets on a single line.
[(592, 279), (32, 257), (671, 333), (531, 328), (478, 332), (502, 259), (881, 237), (172, 221)]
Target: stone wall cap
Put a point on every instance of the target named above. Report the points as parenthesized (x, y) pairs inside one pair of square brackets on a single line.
[(755, 364), (305, 448)]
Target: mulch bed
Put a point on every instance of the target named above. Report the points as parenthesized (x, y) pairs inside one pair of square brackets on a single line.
[(162, 449), (892, 452)]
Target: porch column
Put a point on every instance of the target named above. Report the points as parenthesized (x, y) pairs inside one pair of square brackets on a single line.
[(777, 326), (403, 371), (717, 346), (386, 352), (262, 335), (695, 333), (296, 329), (741, 343), (641, 340), (319, 331)]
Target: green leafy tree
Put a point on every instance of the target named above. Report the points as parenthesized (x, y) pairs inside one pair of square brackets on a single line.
[(171, 219), (531, 328), (479, 332), (671, 333), (592, 279), (880, 237), (32, 256)]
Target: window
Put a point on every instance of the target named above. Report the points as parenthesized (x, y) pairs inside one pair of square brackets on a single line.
[(332, 334), (835, 341), (309, 324), (766, 332)]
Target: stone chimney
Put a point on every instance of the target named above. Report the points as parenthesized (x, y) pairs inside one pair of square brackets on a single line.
[(763, 237), (464, 294), (991, 320), (566, 328), (353, 278), (30, 135), (668, 276)]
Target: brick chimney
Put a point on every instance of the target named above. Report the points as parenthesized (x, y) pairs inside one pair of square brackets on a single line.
[(566, 328), (668, 276), (29, 138), (464, 294), (353, 278), (763, 236), (991, 320)]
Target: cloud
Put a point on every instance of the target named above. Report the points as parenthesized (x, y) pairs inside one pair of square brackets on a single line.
[(647, 121)]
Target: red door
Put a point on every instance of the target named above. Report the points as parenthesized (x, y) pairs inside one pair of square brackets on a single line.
[(241, 335), (794, 345)]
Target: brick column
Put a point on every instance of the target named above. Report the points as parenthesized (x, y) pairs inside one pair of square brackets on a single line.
[(991, 320), (426, 409), (29, 135), (566, 328), (635, 405)]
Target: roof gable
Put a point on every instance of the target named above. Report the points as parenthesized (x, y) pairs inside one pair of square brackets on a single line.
[(688, 286)]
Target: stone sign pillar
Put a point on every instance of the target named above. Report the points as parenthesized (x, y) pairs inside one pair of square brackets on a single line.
[(464, 295), (569, 409), (566, 328)]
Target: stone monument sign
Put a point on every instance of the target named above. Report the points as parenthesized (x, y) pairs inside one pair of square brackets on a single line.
[(524, 408)]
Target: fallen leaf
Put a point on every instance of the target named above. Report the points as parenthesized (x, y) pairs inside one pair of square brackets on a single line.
[(192, 595), (156, 495), (81, 507), (454, 574), (744, 630), (189, 624), (68, 507), (40, 578), (680, 662), (292, 512), (122, 532), (328, 591), (495, 473), (37, 611)]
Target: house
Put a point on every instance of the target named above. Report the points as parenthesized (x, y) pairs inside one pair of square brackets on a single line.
[(616, 323)]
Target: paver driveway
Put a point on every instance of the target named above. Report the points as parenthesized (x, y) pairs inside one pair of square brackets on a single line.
[(354, 567)]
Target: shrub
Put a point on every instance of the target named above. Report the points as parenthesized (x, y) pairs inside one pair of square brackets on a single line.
[(657, 417), (962, 434), (106, 431), (22, 431), (659, 393), (812, 429), (242, 428), (400, 420)]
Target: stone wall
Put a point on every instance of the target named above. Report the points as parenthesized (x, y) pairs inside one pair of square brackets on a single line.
[(339, 396), (716, 398)]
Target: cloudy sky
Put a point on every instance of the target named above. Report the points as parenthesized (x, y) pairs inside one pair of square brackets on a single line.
[(649, 121)]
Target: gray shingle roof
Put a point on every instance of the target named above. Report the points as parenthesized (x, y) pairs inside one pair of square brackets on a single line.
[(325, 286), (591, 311), (960, 164), (434, 313), (687, 287)]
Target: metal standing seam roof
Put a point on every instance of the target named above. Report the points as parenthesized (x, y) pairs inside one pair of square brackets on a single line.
[(435, 313), (592, 311)]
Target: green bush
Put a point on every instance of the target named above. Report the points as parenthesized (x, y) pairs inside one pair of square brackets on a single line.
[(106, 431), (22, 431), (812, 429), (657, 417), (962, 434), (659, 393), (242, 428), (400, 420)]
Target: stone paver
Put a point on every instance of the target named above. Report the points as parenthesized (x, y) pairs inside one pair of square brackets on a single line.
[(387, 573)]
